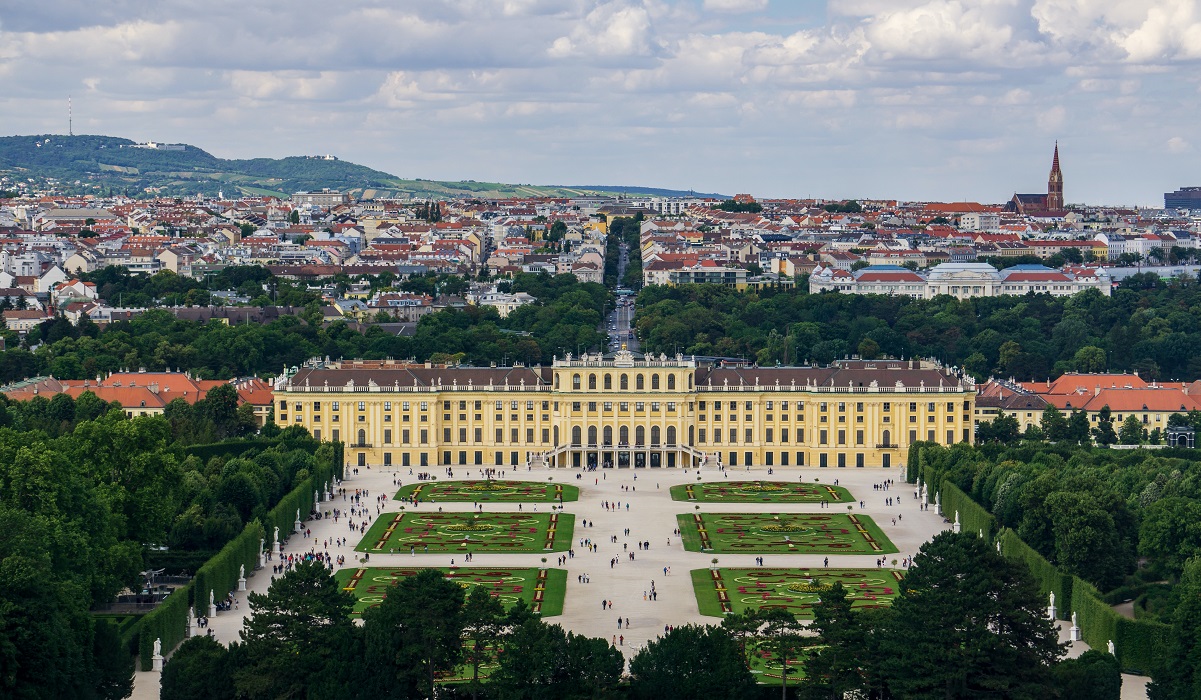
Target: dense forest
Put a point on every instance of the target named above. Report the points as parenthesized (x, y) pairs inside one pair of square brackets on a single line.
[(566, 319), (1125, 521), (1148, 325), (90, 498)]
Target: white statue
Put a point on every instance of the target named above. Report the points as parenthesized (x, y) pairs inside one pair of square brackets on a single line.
[(212, 600), (1073, 618), (158, 647), (1053, 599), (276, 535), (262, 545), (297, 515), (242, 571), (1111, 650)]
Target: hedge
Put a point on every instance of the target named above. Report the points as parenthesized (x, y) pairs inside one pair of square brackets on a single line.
[(168, 622), (1049, 578), (220, 574), (237, 448), (1138, 644), (972, 516)]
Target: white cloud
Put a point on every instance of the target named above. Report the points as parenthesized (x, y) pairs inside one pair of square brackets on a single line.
[(1177, 144), (612, 29), (735, 6)]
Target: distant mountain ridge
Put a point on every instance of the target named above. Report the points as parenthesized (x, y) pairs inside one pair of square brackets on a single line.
[(105, 165)]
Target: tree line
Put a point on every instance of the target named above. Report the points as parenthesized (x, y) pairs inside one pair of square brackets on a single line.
[(89, 499), (1148, 326), (566, 319), (968, 623)]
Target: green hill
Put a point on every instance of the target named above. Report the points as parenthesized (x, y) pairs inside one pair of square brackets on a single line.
[(103, 165)]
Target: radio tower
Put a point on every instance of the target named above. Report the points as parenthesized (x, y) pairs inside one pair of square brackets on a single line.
[(70, 117)]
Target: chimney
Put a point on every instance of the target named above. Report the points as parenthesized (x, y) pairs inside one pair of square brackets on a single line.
[(1096, 389)]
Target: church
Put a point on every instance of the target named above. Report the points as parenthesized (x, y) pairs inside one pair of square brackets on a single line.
[(1049, 205)]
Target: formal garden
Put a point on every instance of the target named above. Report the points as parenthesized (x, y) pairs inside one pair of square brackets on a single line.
[(542, 590), (783, 533), (488, 491), (722, 591), (760, 492), (465, 533)]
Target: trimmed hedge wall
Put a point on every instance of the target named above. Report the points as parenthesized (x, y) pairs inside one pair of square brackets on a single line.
[(972, 516), (168, 622), (1049, 578), (1140, 645), (236, 448), (220, 574)]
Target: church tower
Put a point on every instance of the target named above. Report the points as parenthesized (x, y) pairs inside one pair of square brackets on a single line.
[(1055, 184)]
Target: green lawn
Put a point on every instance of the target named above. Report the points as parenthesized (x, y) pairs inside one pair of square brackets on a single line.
[(469, 532), (492, 490), (795, 590), (760, 492), (542, 589), (783, 533)]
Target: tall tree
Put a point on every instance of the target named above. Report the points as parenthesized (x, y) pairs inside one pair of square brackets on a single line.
[(833, 668), (299, 638), (199, 670), (781, 634), (969, 623), (415, 633), (1104, 433), (691, 662), (1179, 676), (483, 623)]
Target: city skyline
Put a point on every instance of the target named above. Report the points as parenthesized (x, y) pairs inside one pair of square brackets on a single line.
[(914, 100)]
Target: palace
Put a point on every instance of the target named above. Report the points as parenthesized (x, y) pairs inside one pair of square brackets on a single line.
[(624, 410)]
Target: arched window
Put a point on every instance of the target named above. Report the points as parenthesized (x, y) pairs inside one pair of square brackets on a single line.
[(608, 435), (691, 431), (671, 382), (887, 435), (625, 382), (608, 381), (362, 437), (640, 436), (575, 382), (556, 435), (591, 381), (639, 384), (671, 435), (690, 381), (576, 434), (592, 435), (624, 435), (655, 435), (556, 381), (654, 381)]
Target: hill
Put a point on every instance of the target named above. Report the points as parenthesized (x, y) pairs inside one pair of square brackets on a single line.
[(105, 165)]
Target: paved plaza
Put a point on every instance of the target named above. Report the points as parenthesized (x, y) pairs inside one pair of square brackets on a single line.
[(611, 504)]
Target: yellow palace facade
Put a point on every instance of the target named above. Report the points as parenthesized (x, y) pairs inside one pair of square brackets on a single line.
[(623, 411)]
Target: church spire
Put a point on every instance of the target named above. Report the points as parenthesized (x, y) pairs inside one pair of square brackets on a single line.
[(1055, 184)]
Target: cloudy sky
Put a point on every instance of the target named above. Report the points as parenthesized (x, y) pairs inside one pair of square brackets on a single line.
[(914, 99)]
